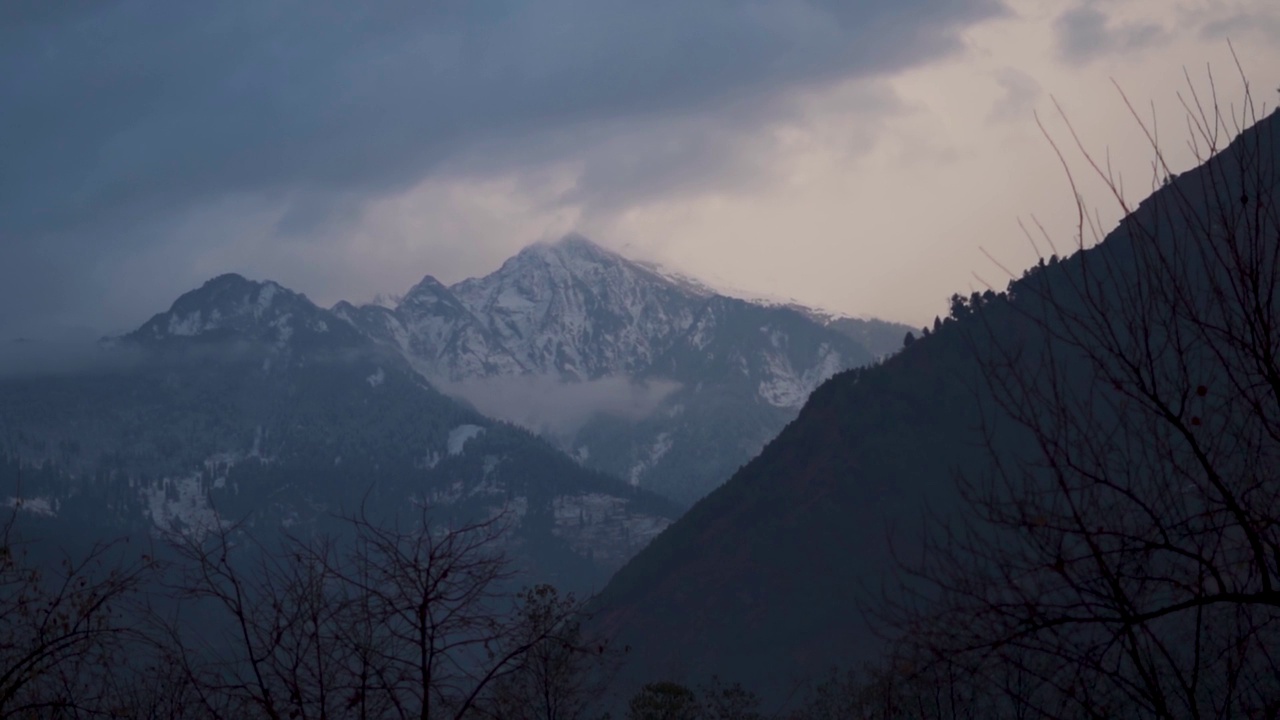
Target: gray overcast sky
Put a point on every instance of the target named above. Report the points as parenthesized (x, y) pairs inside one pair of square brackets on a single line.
[(854, 155)]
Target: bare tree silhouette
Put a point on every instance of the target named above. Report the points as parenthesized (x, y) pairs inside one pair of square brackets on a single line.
[(1121, 558), (391, 622)]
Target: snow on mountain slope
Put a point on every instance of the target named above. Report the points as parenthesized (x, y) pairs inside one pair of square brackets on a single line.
[(264, 313), (574, 309), (244, 399), (573, 314)]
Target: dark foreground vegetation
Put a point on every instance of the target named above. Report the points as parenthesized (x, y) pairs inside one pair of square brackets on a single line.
[(1115, 555), (383, 620), (1121, 558), (378, 621)]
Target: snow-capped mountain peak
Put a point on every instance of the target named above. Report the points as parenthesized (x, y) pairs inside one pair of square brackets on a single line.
[(232, 306), (569, 248), (226, 301), (574, 309), (427, 286), (667, 360), (430, 295)]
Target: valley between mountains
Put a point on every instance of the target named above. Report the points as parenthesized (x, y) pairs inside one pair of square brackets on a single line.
[(720, 488), (443, 360), (588, 397)]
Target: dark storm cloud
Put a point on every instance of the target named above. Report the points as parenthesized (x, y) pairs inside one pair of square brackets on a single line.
[(1086, 32), (120, 120)]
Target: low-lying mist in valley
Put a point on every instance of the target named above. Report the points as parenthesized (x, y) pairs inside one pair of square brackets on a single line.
[(558, 408), (68, 353)]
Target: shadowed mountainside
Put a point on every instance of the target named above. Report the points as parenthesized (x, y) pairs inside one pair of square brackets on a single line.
[(762, 580)]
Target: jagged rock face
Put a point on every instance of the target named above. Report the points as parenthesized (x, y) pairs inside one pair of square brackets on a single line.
[(436, 333), (574, 309), (718, 376), (232, 316), (443, 335), (231, 305)]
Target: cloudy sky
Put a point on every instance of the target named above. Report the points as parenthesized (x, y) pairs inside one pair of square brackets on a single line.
[(859, 155)]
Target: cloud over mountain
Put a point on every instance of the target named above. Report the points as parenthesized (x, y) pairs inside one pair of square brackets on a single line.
[(159, 135)]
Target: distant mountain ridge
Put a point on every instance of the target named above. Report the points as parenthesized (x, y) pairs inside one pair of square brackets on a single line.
[(246, 400), (231, 306), (575, 313)]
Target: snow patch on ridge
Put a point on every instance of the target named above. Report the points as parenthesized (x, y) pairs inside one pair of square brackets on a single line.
[(284, 330), (459, 436), (42, 506), (785, 388), (265, 296), (603, 527), (661, 445), (180, 505), (184, 326)]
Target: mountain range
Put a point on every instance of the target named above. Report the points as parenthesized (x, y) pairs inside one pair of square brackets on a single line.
[(586, 399), (637, 373), (247, 401)]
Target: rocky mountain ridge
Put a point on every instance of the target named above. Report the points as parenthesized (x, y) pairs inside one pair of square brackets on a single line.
[(246, 401), (569, 314)]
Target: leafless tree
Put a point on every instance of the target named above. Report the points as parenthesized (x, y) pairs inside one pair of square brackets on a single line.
[(566, 673), (63, 624), (1121, 558), (388, 621)]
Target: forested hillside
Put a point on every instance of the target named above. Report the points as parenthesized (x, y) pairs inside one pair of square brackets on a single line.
[(1067, 487)]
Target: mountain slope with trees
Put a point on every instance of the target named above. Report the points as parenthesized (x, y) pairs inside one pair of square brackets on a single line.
[(245, 400), (1076, 477)]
